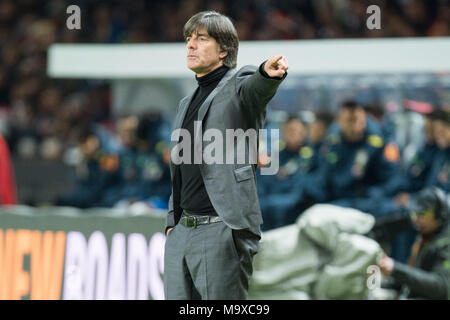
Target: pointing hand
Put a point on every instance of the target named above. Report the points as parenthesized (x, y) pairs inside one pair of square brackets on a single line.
[(276, 66)]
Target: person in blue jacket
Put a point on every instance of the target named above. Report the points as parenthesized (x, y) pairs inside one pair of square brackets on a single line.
[(356, 169), (375, 111), (313, 154), (439, 174), (413, 177), (317, 131), (279, 194)]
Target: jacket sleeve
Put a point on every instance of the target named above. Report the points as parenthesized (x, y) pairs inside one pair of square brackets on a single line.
[(255, 90), (433, 284)]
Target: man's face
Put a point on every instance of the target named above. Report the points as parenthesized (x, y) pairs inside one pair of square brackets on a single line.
[(425, 222), (352, 123), (203, 53), (294, 133), (90, 146), (441, 134), (127, 130), (317, 131)]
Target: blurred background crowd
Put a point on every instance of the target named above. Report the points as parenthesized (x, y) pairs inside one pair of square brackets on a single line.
[(346, 155), (42, 109), (351, 159)]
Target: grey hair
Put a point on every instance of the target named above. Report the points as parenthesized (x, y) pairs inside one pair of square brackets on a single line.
[(220, 28)]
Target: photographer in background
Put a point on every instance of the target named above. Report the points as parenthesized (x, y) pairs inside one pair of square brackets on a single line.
[(427, 275)]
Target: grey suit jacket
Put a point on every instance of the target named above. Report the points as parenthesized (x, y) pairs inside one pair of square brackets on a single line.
[(238, 102)]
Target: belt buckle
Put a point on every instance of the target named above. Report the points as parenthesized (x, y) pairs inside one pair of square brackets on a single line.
[(194, 221)]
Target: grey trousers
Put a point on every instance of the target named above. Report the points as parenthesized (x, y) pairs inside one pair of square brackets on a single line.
[(210, 262)]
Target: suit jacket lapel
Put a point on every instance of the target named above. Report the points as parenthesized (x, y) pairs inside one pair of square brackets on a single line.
[(207, 103), (182, 113)]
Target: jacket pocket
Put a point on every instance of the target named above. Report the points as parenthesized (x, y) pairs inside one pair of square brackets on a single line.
[(244, 173)]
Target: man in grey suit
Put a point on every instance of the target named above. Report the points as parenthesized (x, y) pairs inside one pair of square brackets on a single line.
[(213, 224)]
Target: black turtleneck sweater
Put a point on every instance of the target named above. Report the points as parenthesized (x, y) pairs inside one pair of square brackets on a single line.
[(194, 198)]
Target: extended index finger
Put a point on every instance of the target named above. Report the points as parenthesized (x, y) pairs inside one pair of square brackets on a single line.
[(283, 62), (276, 59)]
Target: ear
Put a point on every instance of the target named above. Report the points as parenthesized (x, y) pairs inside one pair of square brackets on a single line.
[(223, 54)]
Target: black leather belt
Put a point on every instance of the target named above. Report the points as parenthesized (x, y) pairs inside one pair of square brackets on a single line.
[(194, 221)]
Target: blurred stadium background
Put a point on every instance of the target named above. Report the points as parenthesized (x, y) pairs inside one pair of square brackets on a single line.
[(85, 116)]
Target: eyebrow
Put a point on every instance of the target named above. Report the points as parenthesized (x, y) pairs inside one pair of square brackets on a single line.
[(199, 34)]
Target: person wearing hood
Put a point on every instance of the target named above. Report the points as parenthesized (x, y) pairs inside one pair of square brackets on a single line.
[(427, 274)]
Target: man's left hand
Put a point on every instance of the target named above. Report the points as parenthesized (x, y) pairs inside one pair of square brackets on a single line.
[(276, 66)]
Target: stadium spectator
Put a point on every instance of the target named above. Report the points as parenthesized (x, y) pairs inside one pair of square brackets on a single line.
[(142, 175), (127, 186), (439, 174), (427, 274), (280, 193), (317, 131), (95, 173), (413, 178), (375, 110), (356, 169), (313, 154), (153, 132)]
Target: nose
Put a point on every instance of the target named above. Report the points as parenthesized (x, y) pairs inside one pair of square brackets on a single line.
[(191, 44)]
